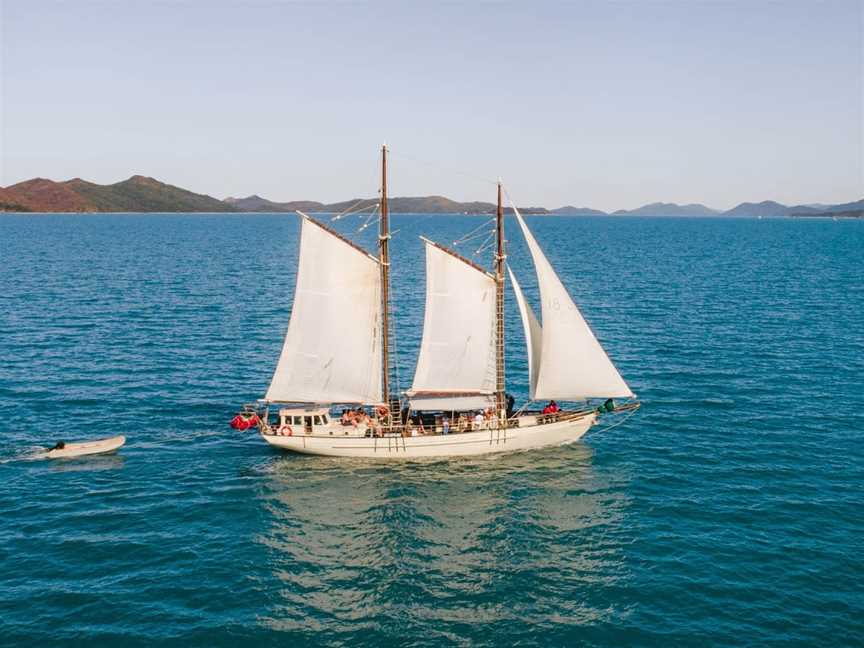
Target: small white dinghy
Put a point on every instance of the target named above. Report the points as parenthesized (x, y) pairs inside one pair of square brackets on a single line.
[(100, 446)]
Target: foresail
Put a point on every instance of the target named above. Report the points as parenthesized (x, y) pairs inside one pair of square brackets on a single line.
[(456, 364), (573, 365), (332, 351), (533, 335)]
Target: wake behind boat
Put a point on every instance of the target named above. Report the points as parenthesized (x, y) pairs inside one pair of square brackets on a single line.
[(457, 404)]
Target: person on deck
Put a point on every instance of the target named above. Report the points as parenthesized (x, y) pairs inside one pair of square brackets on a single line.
[(551, 408), (375, 426), (478, 421), (462, 423), (445, 426)]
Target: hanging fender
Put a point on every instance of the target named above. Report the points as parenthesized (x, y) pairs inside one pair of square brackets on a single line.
[(242, 423)]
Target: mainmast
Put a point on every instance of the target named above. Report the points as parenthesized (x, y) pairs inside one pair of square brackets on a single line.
[(500, 404), (384, 254)]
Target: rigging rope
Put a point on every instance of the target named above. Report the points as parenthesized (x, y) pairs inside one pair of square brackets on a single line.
[(369, 219), (443, 168), (523, 408), (395, 356), (624, 419), (350, 210), (475, 233), (488, 242)]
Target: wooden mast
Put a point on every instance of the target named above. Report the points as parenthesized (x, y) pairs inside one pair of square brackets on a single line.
[(384, 252), (500, 402)]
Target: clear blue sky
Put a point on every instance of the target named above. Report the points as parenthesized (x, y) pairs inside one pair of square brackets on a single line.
[(604, 104)]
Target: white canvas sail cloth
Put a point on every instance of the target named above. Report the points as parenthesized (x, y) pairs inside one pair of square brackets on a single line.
[(456, 365), (572, 364), (533, 335), (332, 351)]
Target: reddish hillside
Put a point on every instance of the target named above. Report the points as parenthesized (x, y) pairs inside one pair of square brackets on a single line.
[(49, 196), (137, 194), (10, 201)]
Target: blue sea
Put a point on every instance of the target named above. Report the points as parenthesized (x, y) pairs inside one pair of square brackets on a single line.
[(729, 511)]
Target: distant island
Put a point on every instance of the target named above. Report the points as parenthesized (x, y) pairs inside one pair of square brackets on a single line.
[(143, 194)]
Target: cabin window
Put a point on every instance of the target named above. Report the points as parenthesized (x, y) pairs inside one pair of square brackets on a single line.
[(298, 420), (317, 420), (324, 419), (308, 420)]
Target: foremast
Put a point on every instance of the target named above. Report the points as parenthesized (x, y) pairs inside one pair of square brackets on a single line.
[(384, 257), (500, 397)]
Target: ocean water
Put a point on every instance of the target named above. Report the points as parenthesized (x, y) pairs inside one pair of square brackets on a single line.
[(729, 511)]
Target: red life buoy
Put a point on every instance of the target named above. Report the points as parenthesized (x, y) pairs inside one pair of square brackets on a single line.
[(285, 430)]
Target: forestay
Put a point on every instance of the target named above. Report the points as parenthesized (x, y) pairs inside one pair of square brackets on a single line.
[(572, 364), (332, 351), (456, 365)]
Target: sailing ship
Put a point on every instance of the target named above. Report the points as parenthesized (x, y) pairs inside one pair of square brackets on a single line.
[(336, 352)]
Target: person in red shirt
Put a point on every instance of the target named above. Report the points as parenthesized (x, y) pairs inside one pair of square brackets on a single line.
[(551, 408)]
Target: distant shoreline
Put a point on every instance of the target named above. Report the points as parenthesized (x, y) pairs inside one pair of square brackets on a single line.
[(144, 195), (721, 216)]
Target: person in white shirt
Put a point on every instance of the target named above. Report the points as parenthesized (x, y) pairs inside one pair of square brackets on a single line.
[(478, 421)]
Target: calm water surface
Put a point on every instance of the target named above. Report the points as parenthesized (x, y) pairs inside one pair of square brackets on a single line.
[(730, 511)]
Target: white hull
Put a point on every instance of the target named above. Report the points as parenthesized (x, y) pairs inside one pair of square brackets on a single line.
[(102, 446), (526, 437)]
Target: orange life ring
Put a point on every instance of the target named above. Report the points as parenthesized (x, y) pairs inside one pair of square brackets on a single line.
[(286, 430), (382, 411)]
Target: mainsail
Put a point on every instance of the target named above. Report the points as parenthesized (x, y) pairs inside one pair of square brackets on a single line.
[(332, 351), (456, 366), (572, 364)]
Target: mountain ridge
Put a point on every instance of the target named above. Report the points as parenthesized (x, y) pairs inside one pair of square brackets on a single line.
[(668, 209), (144, 194), (135, 194)]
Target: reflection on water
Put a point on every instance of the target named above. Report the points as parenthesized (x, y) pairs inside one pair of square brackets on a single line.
[(351, 539), (95, 462)]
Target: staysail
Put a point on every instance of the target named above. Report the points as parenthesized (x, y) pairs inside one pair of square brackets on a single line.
[(572, 364), (456, 365), (332, 351), (533, 335)]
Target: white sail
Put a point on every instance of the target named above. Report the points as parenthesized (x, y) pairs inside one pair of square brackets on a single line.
[(332, 351), (573, 365), (533, 335), (456, 365)]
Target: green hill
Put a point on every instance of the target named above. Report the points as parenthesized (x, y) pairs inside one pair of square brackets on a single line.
[(142, 194)]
